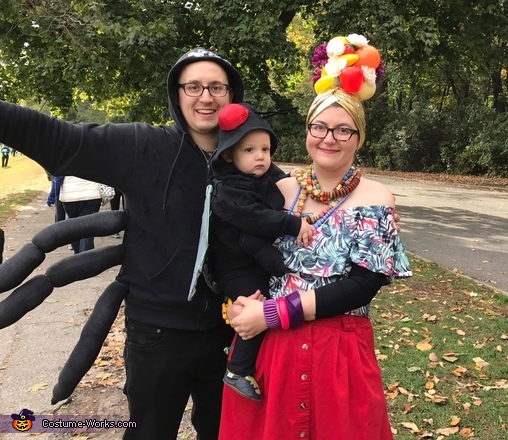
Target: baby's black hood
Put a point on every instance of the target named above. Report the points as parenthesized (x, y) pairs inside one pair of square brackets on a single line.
[(235, 122)]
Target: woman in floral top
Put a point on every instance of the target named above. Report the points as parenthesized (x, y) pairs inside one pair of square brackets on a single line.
[(317, 367)]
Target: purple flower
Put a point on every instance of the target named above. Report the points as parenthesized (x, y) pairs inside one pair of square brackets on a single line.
[(320, 57), (380, 70), (316, 76)]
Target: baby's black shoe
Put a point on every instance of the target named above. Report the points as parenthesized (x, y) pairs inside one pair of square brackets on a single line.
[(244, 385)]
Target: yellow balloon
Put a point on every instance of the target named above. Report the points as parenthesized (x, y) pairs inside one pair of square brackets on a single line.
[(350, 58), (324, 84), (366, 91)]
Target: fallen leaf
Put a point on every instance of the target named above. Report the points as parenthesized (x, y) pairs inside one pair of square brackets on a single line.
[(414, 369), (455, 421), (434, 398), (447, 431), (38, 387), (466, 432), (480, 363), (433, 357), (411, 426), (458, 371), (450, 358), (429, 385), (103, 375), (424, 345)]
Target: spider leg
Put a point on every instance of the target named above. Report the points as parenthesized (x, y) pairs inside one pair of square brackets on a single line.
[(74, 268), (90, 342), (68, 270), (14, 270)]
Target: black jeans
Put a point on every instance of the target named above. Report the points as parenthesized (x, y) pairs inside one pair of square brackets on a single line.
[(166, 366)]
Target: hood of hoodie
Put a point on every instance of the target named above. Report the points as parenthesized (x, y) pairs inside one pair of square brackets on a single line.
[(235, 122), (194, 56)]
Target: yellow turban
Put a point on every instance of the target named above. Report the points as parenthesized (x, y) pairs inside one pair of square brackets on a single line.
[(347, 101)]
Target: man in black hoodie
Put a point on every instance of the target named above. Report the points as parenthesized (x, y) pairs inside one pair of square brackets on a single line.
[(174, 346)]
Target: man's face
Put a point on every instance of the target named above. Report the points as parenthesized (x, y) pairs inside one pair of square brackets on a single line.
[(202, 112)]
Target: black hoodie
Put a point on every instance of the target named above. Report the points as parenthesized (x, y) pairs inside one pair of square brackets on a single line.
[(162, 174)]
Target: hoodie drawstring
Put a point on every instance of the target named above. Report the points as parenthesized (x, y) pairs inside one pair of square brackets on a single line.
[(171, 172)]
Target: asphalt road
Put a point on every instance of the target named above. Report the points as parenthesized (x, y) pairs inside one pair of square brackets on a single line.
[(462, 228)]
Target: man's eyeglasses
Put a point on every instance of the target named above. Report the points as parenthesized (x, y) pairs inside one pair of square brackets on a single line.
[(216, 89), (339, 133)]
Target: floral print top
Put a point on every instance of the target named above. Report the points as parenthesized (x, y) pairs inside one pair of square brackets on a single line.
[(364, 235)]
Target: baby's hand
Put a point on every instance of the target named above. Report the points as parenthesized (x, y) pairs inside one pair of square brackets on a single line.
[(307, 231)]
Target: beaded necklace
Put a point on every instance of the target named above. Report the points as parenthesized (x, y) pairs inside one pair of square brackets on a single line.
[(310, 186)]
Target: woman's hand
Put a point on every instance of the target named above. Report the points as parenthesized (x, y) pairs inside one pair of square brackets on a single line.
[(251, 321), (235, 309), (396, 217)]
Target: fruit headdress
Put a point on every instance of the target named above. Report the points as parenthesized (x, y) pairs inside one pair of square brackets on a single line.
[(349, 63)]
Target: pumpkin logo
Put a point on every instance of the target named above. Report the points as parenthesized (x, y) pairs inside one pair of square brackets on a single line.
[(23, 421)]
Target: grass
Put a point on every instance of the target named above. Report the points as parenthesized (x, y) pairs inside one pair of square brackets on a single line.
[(20, 183), (442, 342)]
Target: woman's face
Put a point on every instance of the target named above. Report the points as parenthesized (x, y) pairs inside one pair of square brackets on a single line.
[(329, 152)]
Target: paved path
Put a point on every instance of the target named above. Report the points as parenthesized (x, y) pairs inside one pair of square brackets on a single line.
[(458, 227), (34, 349)]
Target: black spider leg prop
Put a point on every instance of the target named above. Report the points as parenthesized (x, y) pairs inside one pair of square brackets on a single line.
[(77, 267), (14, 270), (90, 342), (74, 268)]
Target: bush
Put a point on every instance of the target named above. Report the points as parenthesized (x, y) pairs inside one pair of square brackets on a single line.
[(412, 143), (491, 147), (470, 140)]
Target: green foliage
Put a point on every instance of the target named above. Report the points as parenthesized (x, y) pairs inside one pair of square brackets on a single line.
[(488, 152), (445, 65), (412, 143)]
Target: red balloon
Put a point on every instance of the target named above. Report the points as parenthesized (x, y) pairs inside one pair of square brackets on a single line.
[(351, 79)]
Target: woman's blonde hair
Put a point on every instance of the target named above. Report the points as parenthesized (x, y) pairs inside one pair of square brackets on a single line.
[(348, 102)]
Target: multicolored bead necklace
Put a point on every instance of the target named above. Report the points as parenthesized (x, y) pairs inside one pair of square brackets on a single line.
[(334, 198)]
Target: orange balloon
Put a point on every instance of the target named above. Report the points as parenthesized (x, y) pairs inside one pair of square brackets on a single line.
[(368, 56)]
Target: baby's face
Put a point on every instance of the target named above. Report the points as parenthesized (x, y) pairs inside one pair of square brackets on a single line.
[(252, 154)]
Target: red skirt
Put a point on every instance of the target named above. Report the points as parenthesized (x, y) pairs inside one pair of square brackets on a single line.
[(319, 382)]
